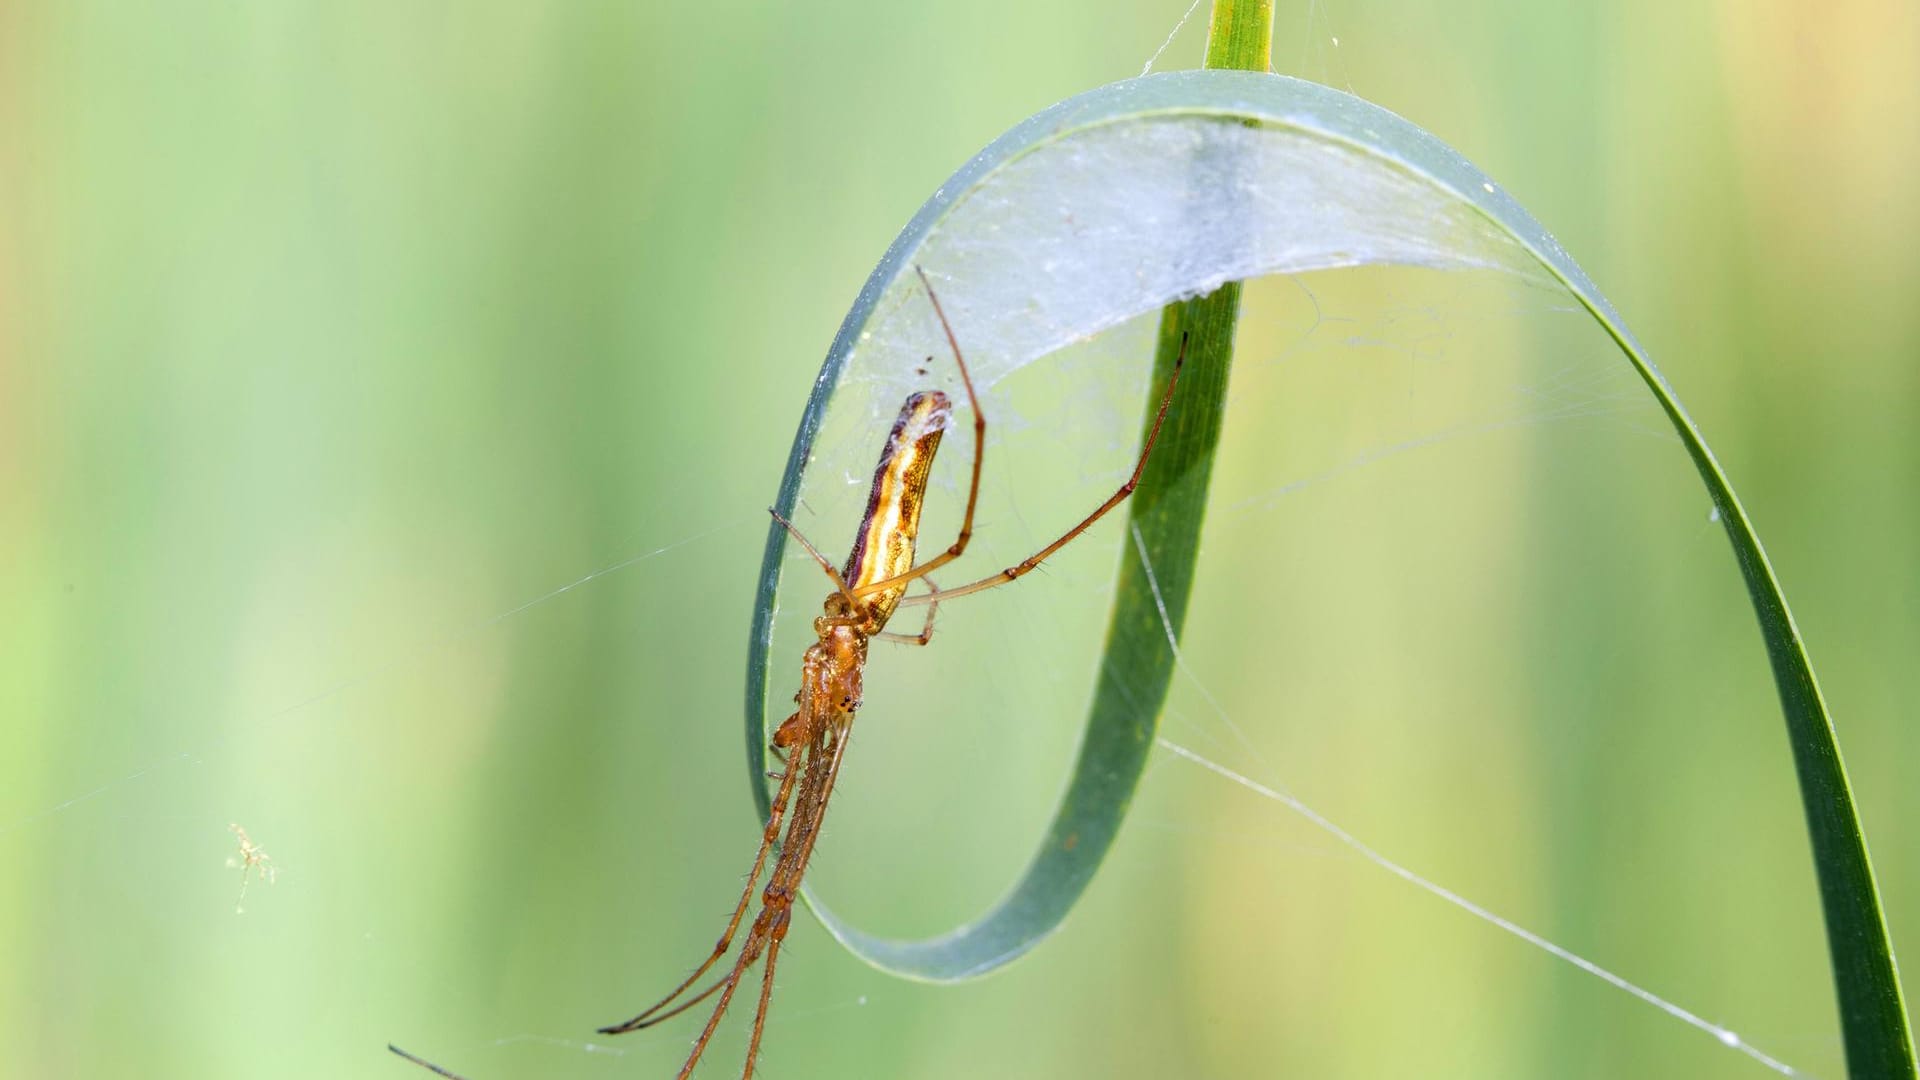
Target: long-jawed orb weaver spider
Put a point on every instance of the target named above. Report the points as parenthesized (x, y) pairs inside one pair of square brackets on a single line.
[(813, 741)]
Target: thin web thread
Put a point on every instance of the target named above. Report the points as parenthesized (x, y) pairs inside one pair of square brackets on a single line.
[(1725, 1036), (1171, 34), (564, 1044), (1322, 13), (1179, 659), (406, 658)]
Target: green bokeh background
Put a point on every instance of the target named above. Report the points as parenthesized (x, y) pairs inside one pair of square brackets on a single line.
[(331, 335)]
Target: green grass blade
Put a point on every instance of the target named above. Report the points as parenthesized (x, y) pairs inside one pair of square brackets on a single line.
[(1165, 513), (1240, 35), (1194, 180), (1873, 1017)]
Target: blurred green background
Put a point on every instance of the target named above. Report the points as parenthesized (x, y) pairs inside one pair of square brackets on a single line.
[(333, 335)]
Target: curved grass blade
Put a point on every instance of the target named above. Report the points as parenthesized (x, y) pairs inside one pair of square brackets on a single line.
[(1124, 199)]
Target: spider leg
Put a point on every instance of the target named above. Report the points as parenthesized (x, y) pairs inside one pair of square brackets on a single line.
[(770, 926), (766, 995), (925, 636), (785, 883), (683, 1006), (729, 984), (767, 837), (959, 544), (425, 1064), (839, 583), (1027, 565)]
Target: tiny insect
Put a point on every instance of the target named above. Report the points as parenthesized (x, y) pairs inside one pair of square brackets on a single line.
[(252, 861), (813, 741)]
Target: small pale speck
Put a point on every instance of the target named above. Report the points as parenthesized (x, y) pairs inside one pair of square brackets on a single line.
[(1486, 187), (1728, 1037), (1713, 514)]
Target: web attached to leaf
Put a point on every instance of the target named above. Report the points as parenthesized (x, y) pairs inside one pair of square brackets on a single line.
[(1445, 436), (1724, 1036)]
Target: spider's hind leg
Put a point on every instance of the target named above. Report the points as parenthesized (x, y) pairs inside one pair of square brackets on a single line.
[(925, 636)]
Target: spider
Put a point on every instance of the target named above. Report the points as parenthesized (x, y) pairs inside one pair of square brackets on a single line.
[(812, 742)]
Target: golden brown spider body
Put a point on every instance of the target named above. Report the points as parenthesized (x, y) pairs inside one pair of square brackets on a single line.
[(813, 741)]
